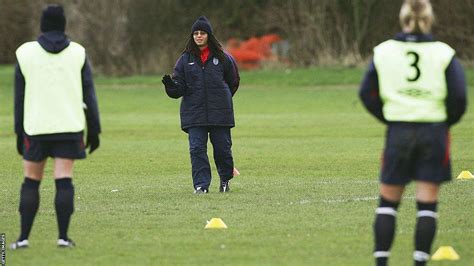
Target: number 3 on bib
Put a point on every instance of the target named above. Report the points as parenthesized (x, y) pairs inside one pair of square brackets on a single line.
[(416, 58)]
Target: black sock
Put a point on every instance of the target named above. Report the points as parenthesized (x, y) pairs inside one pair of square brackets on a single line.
[(29, 203), (384, 230), (425, 231), (64, 204)]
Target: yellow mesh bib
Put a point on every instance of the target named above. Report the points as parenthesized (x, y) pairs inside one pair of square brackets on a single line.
[(412, 80), (53, 89)]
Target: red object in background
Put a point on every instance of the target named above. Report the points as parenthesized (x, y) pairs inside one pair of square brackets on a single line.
[(250, 53)]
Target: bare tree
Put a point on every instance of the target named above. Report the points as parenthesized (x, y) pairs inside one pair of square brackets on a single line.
[(125, 37), (14, 27)]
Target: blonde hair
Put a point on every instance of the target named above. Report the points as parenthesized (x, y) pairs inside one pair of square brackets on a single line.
[(416, 16)]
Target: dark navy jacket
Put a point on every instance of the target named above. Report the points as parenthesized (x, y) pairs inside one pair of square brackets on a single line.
[(207, 90), (54, 42), (455, 80)]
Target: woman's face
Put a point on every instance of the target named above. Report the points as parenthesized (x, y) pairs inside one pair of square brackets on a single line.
[(200, 38)]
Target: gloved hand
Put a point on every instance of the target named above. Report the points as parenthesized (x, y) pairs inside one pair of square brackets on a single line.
[(168, 81), (93, 142), (19, 143)]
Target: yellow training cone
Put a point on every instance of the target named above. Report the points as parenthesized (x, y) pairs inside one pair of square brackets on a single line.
[(215, 223), (465, 175), (445, 253)]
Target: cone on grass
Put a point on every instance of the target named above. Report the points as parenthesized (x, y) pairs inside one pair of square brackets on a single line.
[(465, 175), (445, 253), (215, 223)]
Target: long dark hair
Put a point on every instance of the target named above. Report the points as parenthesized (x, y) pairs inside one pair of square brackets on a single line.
[(214, 45)]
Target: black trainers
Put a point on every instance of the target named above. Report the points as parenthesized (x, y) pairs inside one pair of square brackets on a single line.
[(224, 186), (68, 243), (19, 244), (200, 190)]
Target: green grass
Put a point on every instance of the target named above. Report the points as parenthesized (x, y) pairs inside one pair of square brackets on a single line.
[(309, 157)]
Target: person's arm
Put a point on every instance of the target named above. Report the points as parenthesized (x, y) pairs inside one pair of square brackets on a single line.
[(456, 99), (19, 100), (369, 93), (231, 74), (91, 107), (175, 85)]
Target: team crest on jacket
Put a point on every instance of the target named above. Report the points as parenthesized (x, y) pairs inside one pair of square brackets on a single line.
[(215, 61)]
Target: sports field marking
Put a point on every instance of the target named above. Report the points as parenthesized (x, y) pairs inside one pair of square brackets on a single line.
[(358, 199)]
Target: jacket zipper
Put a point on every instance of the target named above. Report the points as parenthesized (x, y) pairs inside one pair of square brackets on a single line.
[(205, 91)]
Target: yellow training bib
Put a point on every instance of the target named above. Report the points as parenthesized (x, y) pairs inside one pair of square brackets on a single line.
[(412, 80), (53, 89)]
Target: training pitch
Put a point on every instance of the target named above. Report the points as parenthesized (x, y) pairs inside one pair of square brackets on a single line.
[(308, 154)]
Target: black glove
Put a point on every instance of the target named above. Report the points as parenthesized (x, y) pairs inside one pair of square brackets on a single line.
[(19, 143), (93, 142), (168, 82)]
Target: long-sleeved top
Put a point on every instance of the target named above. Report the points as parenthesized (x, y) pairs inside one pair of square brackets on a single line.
[(456, 85), (55, 42)]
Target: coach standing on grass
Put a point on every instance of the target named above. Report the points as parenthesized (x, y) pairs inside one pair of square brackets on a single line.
[(53, 85), (416, 86), (207, 78)]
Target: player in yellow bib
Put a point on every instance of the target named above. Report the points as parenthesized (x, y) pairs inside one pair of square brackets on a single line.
[(417, 87), (53, 84)]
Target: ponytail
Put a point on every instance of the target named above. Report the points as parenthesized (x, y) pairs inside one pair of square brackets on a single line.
[(416, 16)]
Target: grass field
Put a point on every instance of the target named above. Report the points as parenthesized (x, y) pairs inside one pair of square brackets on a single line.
[(309, 156)]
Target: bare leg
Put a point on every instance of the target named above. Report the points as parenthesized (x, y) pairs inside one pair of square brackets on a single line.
[(34, 170), (392, 193), (427, 192), (63, 168)]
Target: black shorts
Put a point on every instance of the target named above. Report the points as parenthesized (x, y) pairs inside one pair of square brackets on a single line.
[(37, 150), (416, 151)]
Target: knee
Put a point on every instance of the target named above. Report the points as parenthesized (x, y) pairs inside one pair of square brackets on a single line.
[(197, 148), (222, 149)]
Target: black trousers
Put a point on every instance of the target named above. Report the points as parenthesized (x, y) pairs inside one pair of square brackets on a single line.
[(221, 142)]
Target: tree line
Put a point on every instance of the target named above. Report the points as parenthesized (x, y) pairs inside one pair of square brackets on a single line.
[(125, 37)]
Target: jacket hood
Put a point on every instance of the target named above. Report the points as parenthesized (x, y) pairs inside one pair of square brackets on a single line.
[(53, 41)]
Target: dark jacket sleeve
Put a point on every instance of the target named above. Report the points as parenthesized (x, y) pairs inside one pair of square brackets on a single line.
[(90, 100), (179, 87), (456, 100), (231, 74), (369, 93), (19, 100)]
